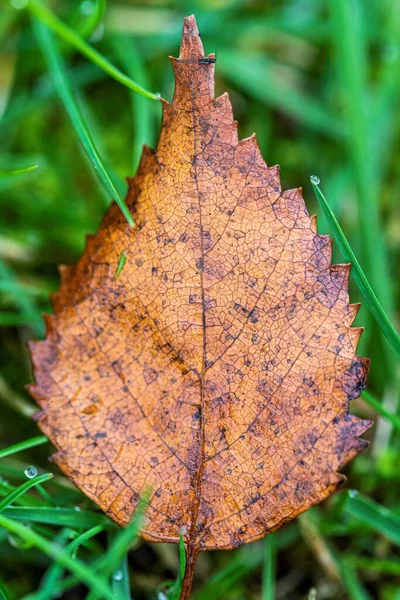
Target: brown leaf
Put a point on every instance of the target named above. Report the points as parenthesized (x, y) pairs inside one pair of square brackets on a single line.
[(218, 366)]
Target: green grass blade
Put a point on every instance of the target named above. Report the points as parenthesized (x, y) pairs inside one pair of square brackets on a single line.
[(372, 514), (120, 581), (354, 587), (349, 36), (174, 588), (320, 547), (362, 282), (25, 103), (29, 312), (122, 541), (12, 319), (243, 562), (329, 558), (120, 545), (121, 264), (380, 409), (46, 17), (90, 578), (45, 495), (21, 171), (386, 98), (83, 538), (31, 443), (98, 564), (182, 560), (4, 593), (64, 517), (15, 402), (377, 565), (94, 19), (54, 574), (60, 79), (250, 73), (22, 489), (6, 488), (14, 469), (143, 133), (269, 568)]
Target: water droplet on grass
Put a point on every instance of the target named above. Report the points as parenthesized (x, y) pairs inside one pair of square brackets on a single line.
[(118, 576), (31, 472), (315, 179)]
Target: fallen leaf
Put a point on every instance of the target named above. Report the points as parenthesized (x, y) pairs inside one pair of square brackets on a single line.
[(217, 367)]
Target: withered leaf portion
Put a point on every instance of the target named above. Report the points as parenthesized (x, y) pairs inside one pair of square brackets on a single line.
[(217, 368)]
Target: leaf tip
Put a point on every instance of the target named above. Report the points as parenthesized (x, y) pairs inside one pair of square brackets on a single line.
[(191, 44), (353, 311)]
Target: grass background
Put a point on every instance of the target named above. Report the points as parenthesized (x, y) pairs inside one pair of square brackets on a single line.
[(319, 81)]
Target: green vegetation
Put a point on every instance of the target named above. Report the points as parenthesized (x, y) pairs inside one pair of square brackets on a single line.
[(319, 81)]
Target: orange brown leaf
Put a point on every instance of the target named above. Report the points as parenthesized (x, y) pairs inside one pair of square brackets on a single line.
[(217, 367)]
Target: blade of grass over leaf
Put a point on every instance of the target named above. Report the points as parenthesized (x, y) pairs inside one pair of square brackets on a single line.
[(121, 264), (46, 17), (22, 489), (269, 568), (93, 580), (31, 443), (61, 83), (372, 514), (20, 171), (358, 274), (380, 409)]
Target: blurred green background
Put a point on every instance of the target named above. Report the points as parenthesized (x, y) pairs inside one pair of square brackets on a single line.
[(319, 82)]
